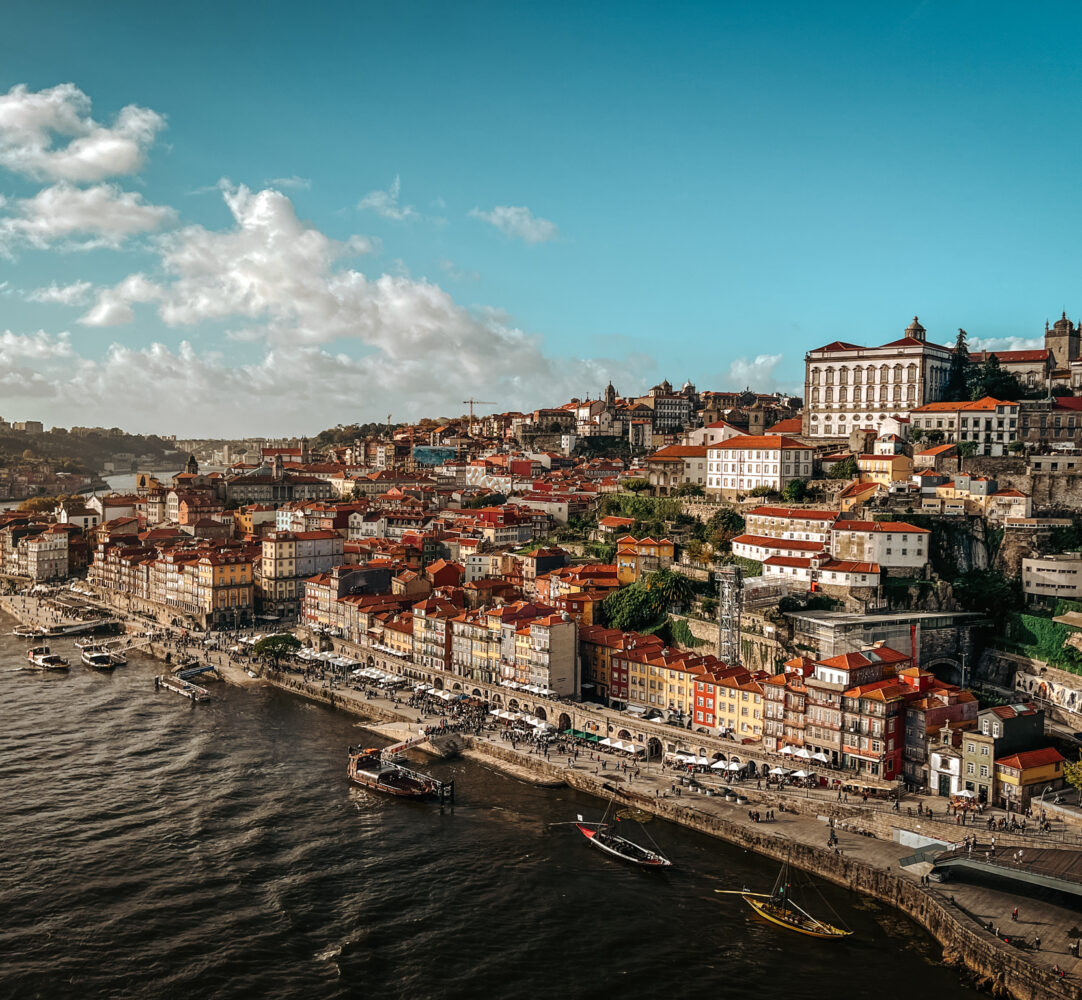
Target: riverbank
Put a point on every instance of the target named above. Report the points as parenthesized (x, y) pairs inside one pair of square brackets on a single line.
[(867, 862)]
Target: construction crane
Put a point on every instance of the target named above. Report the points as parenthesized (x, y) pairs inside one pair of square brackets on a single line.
[(481, 402)]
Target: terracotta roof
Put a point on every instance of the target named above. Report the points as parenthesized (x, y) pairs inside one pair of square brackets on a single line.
[(839, 345), (790, 426), (939, 449), (768, 541), (1011, 357), (766, 442), (1031, 758), (796, 513), (987, 404), (901, 527)]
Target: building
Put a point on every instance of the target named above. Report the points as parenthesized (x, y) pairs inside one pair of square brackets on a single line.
[(638, 557), (678, 465), (990, 424), (890, 544), (743, 464), (798, 523), (1053, 576), (289, 559), (1032, 368), (1000, 732), (884, 469), (1023, 776), (847, 386)]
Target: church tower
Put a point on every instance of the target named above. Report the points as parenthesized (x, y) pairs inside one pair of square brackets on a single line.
[(191, 466), (610, 397), (1062, 341)]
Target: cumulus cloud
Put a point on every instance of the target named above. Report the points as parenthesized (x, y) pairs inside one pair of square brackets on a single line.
[(520, 223), (75, 294), (42, 350), (385, 203), (757, 374), (1005, 343), (49, 135), (83, 218), (114, 305)]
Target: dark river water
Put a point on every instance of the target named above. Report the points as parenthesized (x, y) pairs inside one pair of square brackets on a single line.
[(152, 848)]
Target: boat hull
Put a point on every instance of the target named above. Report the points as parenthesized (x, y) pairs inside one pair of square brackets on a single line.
[(623, 849), (782, 918), (418, 791)]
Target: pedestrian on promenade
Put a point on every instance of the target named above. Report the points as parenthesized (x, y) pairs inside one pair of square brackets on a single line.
[(1037, 943), (1014, 913)]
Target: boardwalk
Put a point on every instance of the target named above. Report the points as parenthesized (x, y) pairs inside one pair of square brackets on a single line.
[(1034, 866)]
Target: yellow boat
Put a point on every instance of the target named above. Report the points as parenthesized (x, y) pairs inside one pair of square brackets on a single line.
[(779, 907)]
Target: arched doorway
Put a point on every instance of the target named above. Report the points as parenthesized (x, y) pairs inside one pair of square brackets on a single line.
[(702, 751), (513, 704), (456, 687), (477, 693), (497, 700), (623, 735), (564, 723), (720, 756), (653, 748), (370, 662), (438, 683), (540, 713), (946, 669)]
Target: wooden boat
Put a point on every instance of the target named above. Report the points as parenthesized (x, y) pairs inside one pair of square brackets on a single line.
[(97, 658), (29, 631), (780, 908), (41, 658), (604, 837), (368, 769)]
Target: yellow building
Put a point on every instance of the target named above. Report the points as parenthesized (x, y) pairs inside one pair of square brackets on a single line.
[(1020, 777), (226, 593), (884, 469), (635, 557)]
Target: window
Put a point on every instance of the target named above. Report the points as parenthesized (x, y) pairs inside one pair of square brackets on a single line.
[(970, 768)]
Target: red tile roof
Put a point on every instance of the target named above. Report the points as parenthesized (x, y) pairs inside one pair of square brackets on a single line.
[(766, 442), (1031, 758)]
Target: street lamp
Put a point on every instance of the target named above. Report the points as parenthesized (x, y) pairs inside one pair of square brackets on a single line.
[(1047, 788)]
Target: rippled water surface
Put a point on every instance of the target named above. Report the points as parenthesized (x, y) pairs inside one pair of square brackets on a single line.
[(152, 848)]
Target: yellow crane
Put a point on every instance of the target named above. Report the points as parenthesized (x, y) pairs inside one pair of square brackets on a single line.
[(481, 402)]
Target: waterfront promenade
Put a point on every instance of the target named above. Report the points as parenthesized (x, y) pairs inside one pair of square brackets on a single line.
[(864, 833)]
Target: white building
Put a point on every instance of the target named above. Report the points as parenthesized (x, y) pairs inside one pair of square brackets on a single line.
[(891, 544), (822, 569), (741, 464), (791, 522), (991, 423), (762, 547), (1053, 576), (848, 387)]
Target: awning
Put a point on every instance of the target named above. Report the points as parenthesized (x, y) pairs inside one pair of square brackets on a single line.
[(803, 753), (821, 757), (787, 750), (778, 770)]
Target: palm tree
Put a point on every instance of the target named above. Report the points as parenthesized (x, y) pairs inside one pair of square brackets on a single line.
[(674, 589)]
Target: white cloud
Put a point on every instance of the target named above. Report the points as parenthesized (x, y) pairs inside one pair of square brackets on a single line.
[(1005, 343), (40, 349), (758, 375), (303, 183), (114, 305), (75, 294), (32, 122), (519, 222), (85, 218), (385, 203), (323, 342)]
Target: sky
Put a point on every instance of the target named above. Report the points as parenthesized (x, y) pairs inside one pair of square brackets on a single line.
[(269, 218)]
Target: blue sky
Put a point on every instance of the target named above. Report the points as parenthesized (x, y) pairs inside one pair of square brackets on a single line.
[(336, 211)]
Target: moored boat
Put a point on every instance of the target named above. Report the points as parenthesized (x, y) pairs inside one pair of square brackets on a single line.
[(97, 658), (604, 837), (41, 658), (28, 631), (780, 908), (368, 769)]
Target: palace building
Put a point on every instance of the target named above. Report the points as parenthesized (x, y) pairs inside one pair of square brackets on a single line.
[(848, 387)]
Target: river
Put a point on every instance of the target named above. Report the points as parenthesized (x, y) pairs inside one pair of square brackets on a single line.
[(156, 848)]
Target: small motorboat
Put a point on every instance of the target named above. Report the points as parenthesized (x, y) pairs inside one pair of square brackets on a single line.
[(97, 658), (41, 658), (29, 631)]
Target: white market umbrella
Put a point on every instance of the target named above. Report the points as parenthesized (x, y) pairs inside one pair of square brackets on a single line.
[(801, 774), (702, 761), (821, 757), (786, 749), (803, 753), (719, 765), (778, 770), (965, 793), (735, 766)]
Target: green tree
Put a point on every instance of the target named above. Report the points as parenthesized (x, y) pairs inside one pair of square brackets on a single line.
[(916, 435), (845, 469), (795, 490), (992, 380), (632, 609), (276, 646), (987, 591), (1015, 447), (676, 590), (957, 388), (967, 449), (690, 490), (636, 485), (1072, 771), (763, 491)]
